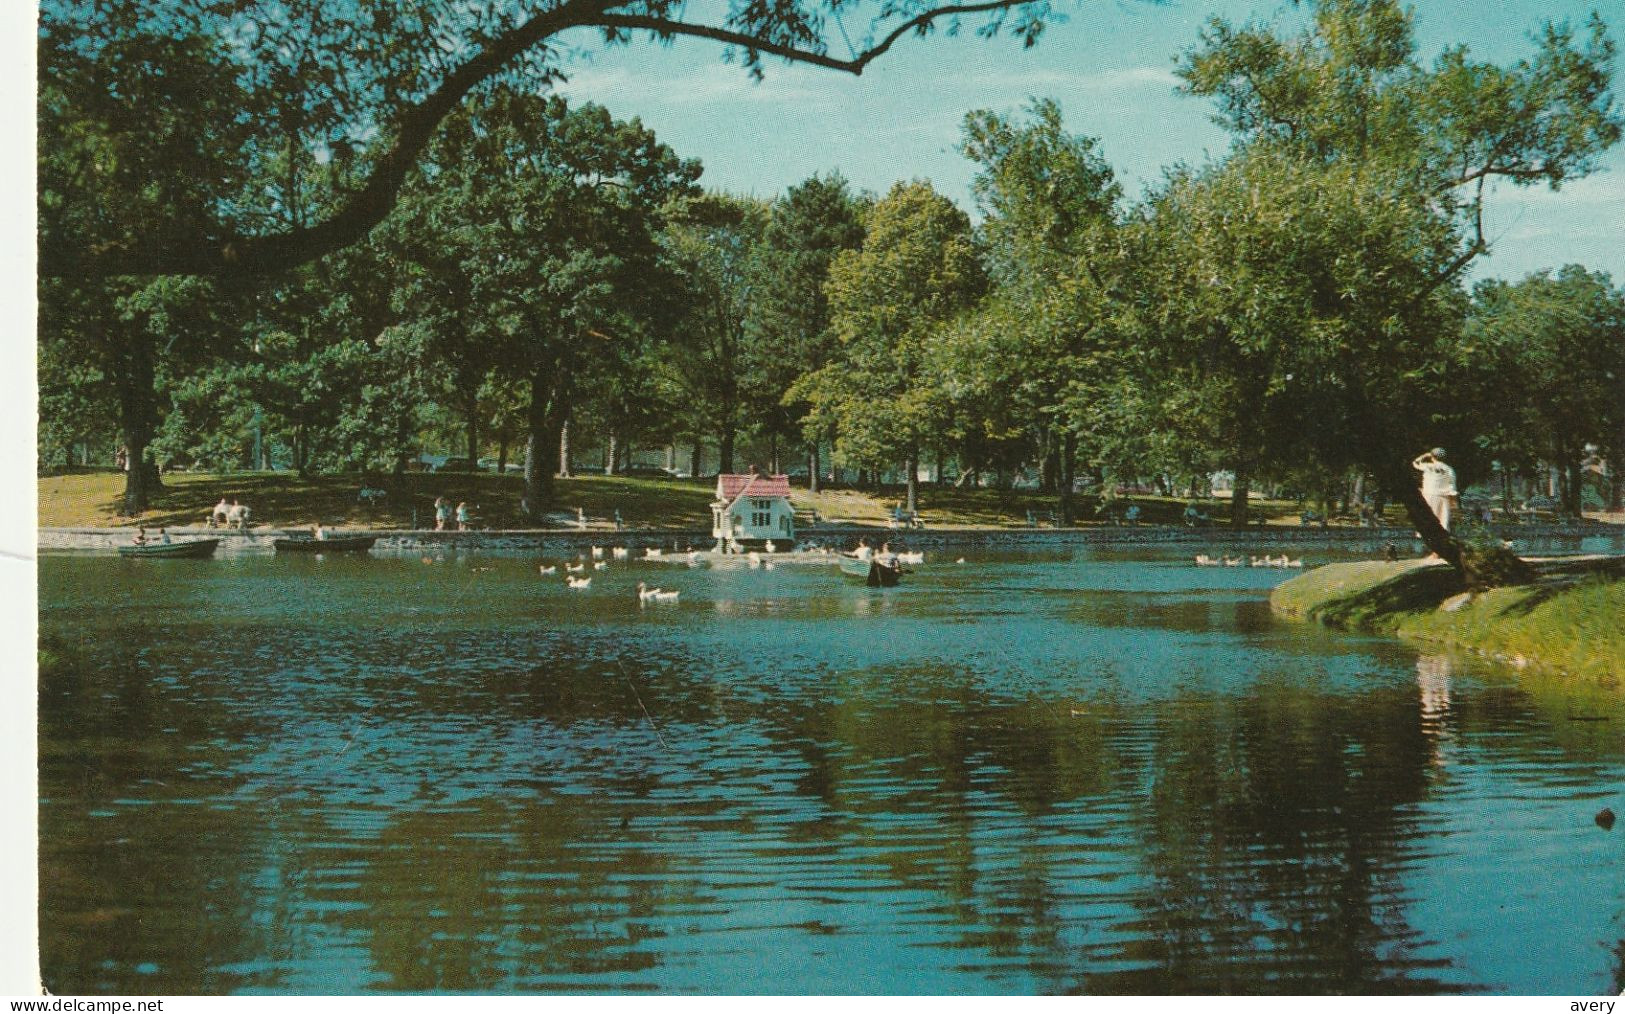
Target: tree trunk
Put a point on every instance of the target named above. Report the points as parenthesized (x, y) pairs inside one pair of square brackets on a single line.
[(546, 418), (1238, 499), (725, 450), (1438, 541), (502, 453), (138, 418), (773, 454), (472, 410), (609, 464), (913, 480), (812, 467), (694, 458), (1575, 507), (564, 450), (1069, 454)]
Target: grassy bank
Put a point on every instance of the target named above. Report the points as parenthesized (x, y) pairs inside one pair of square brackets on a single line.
[(1571, 621), (90, 498)]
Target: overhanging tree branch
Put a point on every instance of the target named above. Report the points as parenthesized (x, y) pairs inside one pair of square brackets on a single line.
[(228, 254)]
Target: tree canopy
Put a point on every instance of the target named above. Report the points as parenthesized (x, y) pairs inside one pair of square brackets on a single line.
[(223, 88)]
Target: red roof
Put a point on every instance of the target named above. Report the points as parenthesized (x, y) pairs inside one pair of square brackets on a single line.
[(732, 487)]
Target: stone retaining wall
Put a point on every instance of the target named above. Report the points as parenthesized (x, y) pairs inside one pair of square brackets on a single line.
[(839, 536)]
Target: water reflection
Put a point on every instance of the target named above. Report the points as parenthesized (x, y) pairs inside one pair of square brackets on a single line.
[(990, 782)]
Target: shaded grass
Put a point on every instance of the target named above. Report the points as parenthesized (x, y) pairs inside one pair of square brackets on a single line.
[(1368, 595), (1571, 620)]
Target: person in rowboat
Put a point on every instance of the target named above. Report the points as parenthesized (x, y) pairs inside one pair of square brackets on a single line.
[(141, 536), (863, 552), (163, 536)]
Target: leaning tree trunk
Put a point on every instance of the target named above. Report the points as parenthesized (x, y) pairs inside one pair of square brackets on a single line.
[(1400, 481)]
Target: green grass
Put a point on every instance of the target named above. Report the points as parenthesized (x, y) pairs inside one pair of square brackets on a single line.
[(1578, 628), (91, 499), (1569, 621)]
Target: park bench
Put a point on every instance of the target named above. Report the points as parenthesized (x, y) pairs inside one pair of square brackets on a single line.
[(901, 518), (1036, 519)]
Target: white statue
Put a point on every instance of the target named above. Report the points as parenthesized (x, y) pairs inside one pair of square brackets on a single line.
[(1438, 484)]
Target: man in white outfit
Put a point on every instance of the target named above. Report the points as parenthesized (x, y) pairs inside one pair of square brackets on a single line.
[(1438, 484)]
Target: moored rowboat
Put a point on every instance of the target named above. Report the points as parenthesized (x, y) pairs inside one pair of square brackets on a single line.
[(874, 573), (190, 549), (331, 544)]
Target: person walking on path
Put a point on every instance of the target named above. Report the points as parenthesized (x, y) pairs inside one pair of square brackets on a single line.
[(442, 513), (1438, 484)]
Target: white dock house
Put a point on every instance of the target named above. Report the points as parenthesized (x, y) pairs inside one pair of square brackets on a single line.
[(753, 511)]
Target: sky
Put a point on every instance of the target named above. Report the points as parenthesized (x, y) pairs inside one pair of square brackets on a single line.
[(1110, 66)]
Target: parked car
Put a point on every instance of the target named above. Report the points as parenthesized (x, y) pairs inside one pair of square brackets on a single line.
[(460, 465)]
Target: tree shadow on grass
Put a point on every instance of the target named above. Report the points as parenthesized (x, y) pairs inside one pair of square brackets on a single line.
[(1413, 591)]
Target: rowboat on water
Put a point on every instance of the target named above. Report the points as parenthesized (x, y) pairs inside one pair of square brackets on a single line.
[(331, 544), (874, 573), (190, 549)]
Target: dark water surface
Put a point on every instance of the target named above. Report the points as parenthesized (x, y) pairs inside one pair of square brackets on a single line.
[(1101, 770)]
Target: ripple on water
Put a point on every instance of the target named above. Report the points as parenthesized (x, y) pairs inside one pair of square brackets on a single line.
[(1087, 772)]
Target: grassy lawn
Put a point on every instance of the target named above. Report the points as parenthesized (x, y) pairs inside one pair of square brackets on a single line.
[(90, 498), (284, 500), (1567, 621)]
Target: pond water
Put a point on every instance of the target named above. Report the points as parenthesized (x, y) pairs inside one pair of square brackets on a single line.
[(1092, 770)]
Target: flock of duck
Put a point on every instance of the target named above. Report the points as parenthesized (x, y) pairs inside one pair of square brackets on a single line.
[(576, 574), (1203, 560)]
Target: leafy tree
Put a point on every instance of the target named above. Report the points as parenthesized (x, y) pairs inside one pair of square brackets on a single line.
[(1051, 203), (1555, 351), (916, 273), (789, 308), (106, 177), (549, 215), (710, 244), (1340, 128), (368, 83)]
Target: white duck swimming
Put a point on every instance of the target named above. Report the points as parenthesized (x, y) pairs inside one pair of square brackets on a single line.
[(578, 582)]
